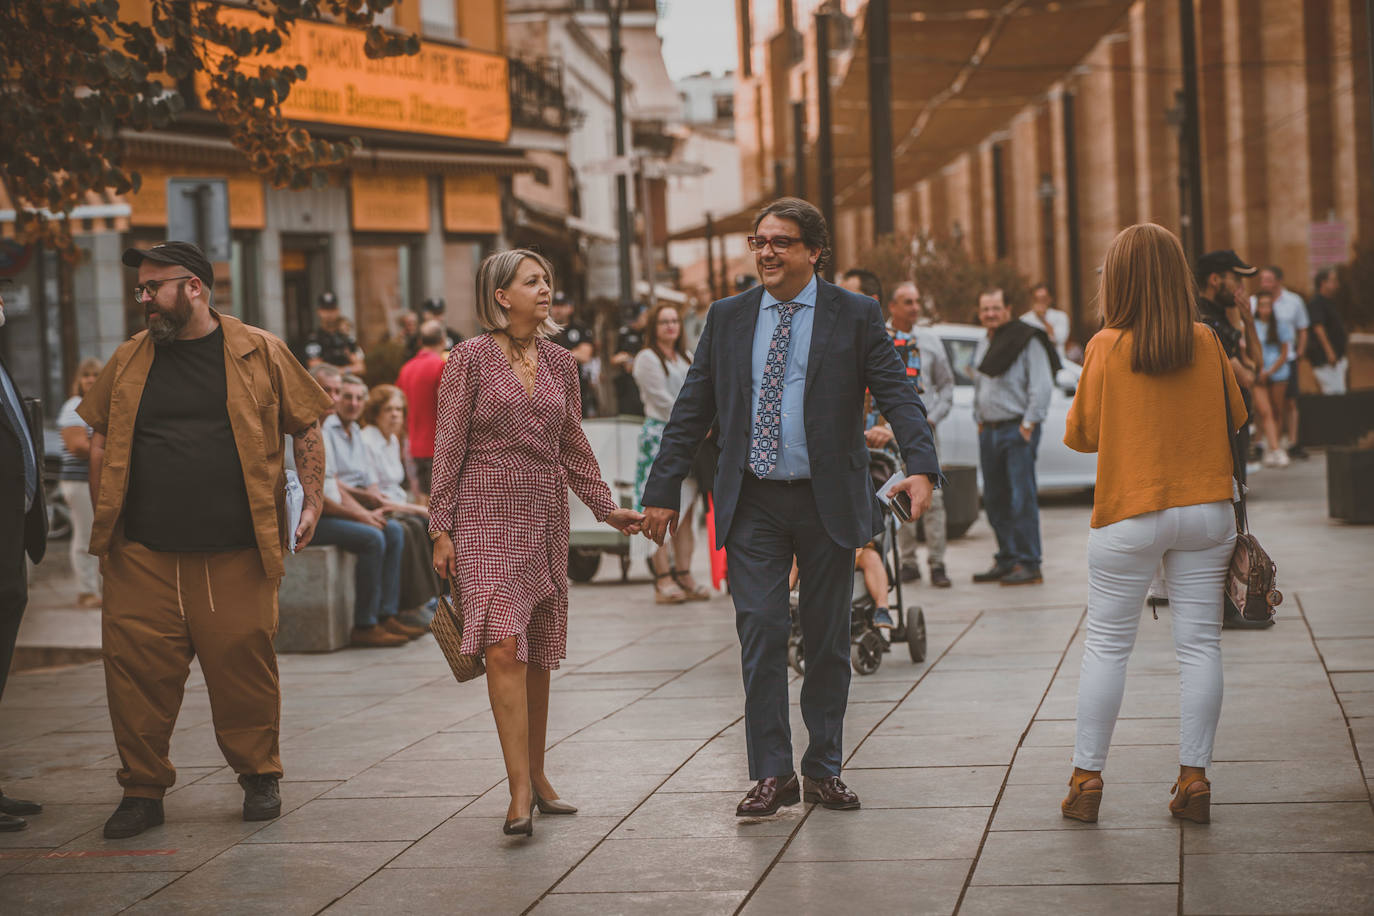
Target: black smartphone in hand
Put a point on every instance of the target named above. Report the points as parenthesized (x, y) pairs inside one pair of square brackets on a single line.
[(901, 506)]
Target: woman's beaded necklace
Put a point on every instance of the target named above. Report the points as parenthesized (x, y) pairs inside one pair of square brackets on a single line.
[(523, 357)]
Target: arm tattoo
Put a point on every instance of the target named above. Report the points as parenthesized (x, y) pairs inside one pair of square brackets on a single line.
[(309, 448)]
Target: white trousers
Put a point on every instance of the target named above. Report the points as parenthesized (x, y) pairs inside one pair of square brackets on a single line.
[(77, 494), (1194, 544)]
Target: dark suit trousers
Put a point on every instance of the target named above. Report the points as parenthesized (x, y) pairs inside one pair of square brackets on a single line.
[(14, 586), (773, 522)]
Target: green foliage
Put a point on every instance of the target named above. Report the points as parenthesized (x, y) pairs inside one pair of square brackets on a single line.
[(952, 280), (949, 279), (81, 78)]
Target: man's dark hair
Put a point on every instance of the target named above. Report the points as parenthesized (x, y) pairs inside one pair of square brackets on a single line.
[(1321, 277), (993, 291), (814, 233), (1277, 271), (869, 284)]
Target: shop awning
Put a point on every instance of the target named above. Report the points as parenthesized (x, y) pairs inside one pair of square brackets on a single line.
[(740, 222), (961, 70), (204, 150)]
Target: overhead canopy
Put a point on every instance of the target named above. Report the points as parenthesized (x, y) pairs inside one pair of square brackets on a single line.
[(737, 223), (961, 70)]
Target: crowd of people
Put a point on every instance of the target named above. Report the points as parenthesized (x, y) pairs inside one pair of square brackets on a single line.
[(455, 479)]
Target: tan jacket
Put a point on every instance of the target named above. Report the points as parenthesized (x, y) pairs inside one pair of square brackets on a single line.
[(270, 396)]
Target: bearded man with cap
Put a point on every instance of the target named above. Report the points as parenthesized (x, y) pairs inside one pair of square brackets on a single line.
[(187, 480)]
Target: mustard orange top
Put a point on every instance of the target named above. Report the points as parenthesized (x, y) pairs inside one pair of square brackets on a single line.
[(1160, 439)]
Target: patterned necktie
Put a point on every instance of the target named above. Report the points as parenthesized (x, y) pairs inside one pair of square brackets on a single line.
[(763, 449)]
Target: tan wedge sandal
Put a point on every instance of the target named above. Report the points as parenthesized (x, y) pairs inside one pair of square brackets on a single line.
[(1085, 796), (1192, 801)]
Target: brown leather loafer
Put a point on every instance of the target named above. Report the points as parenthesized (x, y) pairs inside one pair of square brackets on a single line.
[(768, 795), (831, 793), (392, 625)]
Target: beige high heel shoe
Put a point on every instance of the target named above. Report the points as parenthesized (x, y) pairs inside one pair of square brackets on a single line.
[(1192, 800), (1083, 800)]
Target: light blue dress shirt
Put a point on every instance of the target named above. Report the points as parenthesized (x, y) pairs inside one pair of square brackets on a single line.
[(793, 461)]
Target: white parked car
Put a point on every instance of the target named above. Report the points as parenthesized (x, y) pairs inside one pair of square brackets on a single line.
[(1057, 467)]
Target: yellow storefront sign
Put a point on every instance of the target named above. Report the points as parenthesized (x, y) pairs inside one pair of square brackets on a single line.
[(247, 203), (472, 204), (390, 203), (450, 92)]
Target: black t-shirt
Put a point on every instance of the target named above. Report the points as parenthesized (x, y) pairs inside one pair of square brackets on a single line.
[(186, 489), (1323, 314), (571, 336), (1232, 338), (334, 347)]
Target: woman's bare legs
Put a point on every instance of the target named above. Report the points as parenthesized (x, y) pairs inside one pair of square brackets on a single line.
[(537, 700), (1268, 425), (1278, 408), (684, 543), (507, 687)]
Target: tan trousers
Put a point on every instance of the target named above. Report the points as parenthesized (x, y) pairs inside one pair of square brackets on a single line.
[(163, 609)]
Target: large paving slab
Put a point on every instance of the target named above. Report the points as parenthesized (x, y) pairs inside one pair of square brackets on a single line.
[(395, 791)]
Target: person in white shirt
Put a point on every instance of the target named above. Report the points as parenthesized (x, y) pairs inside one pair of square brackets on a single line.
[(659, 370), (383, 421), (73, 483), (1290, 312), (1046, 317)]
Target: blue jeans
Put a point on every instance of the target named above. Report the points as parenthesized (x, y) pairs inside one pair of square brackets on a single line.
[(1009, 493), (378, 574)]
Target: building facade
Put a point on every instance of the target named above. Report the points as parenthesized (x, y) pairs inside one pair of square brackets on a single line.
[(406, 218), (1034, 132)]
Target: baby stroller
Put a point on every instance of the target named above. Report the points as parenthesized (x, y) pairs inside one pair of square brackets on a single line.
[(866, 642)]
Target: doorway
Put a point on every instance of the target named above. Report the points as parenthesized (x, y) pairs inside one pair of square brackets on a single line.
[(306, 273)]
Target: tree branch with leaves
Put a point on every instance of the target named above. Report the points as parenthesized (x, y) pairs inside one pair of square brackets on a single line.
[(80, 76)]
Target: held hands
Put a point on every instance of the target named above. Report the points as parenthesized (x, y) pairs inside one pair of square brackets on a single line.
[(877, 436), (626, 521), (919, 488), (659, 523)]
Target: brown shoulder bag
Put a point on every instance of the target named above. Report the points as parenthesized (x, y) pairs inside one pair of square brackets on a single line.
[(1250, 577)]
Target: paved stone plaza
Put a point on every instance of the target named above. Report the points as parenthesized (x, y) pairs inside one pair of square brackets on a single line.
[(394, 791)]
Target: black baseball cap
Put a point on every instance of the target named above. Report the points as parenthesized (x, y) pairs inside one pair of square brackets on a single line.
[(184, 254), (433, 306), (1219, 262), (328, 301), (561, 298)]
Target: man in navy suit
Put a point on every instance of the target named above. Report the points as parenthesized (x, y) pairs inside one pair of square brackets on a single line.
[(784, 367), (23, 529)]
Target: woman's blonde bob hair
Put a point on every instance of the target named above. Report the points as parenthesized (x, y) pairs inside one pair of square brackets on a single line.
[(1148, 289), (498, 271), (88, 365)]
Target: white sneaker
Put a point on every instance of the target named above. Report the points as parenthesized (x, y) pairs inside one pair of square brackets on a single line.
[(1282, 460), (1269, 460)]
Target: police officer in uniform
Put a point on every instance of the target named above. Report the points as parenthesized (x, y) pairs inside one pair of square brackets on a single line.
[(433, 310), (328, 343), (577, 340)]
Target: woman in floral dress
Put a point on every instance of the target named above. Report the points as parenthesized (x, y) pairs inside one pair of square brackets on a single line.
[(508, 445)]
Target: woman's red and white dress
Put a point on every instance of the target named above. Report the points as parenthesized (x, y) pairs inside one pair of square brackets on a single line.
[(503, 462)]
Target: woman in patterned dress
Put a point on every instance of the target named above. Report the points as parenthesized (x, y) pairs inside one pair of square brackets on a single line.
[(508, 444)]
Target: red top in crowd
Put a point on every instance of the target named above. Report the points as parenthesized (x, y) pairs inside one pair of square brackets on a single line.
[(419, 379)]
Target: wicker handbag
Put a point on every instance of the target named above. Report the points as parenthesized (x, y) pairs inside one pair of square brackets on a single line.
[(447, 627), (1251, 574)]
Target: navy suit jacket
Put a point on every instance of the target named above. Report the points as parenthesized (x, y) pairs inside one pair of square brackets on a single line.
[(34, 538), (850, 352)]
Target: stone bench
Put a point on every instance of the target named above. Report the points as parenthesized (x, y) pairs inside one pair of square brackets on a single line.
[(315, 603)]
